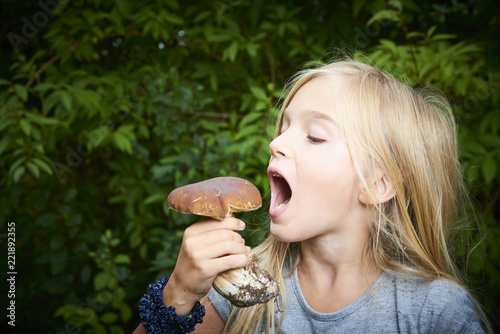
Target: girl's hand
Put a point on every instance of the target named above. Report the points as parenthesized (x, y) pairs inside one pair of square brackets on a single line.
[(208, 248)]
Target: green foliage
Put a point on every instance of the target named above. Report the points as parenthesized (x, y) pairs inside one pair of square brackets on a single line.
[(109, 105)]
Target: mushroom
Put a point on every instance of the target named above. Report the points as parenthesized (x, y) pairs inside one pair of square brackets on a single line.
[(218, 198)]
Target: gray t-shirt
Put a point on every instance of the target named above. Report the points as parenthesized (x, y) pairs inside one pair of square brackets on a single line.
[(392, 305)]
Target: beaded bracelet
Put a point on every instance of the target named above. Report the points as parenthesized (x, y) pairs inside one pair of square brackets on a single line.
[(159, 319)]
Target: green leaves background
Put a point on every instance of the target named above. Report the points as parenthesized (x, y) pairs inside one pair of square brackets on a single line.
[(109, 105)]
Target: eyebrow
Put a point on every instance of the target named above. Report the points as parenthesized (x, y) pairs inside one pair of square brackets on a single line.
[(320, 115), (313, 114)]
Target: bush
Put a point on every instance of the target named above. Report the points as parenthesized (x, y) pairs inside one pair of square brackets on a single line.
[(109, 105)]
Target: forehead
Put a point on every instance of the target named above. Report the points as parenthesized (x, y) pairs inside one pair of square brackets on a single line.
[(319, 96)]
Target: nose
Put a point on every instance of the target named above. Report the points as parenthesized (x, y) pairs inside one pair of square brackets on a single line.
[(279, 147)]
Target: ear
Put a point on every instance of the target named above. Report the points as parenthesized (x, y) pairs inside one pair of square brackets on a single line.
[(381, 190)]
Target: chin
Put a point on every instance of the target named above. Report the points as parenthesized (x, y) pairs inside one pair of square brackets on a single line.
[(283, 233)]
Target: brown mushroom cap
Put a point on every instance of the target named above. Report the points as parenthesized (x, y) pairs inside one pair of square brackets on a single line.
[(216, 198)]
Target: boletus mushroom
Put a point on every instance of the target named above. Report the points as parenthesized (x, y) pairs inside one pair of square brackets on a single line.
[(218, 198)]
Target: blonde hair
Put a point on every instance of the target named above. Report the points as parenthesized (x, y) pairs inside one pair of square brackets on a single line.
[(410, 135)]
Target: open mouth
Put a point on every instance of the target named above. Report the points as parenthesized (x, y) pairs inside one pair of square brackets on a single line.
[(280, 190)]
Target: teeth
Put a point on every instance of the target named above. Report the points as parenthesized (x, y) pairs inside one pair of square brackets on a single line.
[(283, 204), (246, 286), (277, 175)]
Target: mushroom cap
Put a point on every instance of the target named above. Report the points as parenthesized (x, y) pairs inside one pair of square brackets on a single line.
[(216, 198)]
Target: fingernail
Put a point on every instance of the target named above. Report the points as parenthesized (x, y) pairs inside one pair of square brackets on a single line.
[(248, 250), (242, 224)]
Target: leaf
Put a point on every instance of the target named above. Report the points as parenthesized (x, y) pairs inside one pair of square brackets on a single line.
[(202, 16), (21, 91), (220, 37), (122, 142), (65, 311), (33, 169), (250, 118), (52, 100), (101, 280), (67, 100), (259, 93), (46, 220), (214, 82), (116, 330), (122, 259), (490, 140), (396, 4), (25, 126), (252, 49), (416, 34), (172, 4), (233, 51), (174, 20), (89, 100), (155, 198), (474, 147), (389, 45), (4, 143), (247, 131), (120, 5), (211, 125), (114, 242), (74, 220), (125, 312), (42, 120), (441, 37), (431, 31), (109, 317), (18, 173), (135, 239), (382, 15), (489, 168), (43, 165)]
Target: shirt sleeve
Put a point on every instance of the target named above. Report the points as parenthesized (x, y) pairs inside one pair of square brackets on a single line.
[(221, 305), (448, 309)]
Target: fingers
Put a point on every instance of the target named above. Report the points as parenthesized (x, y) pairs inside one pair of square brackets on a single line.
[(229, 223), (225, 263), (215, 236), (208, 248), (213, 246), (222, 247)]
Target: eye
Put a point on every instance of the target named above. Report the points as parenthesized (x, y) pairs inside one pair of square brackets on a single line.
[(315, 140)]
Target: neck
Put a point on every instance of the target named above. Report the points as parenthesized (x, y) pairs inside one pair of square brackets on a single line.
[(338, 257), (335, 269)]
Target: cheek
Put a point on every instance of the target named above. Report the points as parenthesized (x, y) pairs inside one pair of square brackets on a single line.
[(331, 181)]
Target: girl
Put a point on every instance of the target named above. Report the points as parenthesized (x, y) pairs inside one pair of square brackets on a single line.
[(364, 177)]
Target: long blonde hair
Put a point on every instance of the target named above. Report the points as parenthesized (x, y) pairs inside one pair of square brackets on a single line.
[(410, 135)]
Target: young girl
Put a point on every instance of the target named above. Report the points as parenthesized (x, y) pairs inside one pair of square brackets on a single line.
[(364, 177)]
